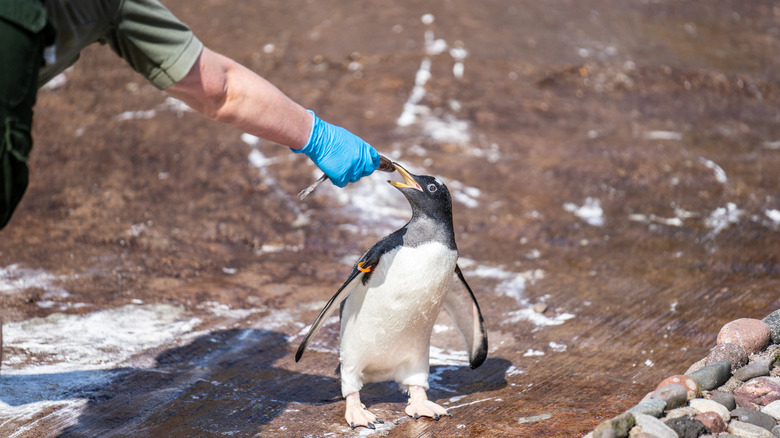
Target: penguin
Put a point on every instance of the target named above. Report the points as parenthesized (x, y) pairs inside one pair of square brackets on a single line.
[(391, 299)]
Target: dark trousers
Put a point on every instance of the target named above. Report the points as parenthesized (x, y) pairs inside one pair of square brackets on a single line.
[(23, 36)]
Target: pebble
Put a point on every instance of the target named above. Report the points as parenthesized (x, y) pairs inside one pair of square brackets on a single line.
[(651, 406), (740, 383), (620, 425), (690, 385), (673, 394), (687, 427), (712, 376), (751, 334), (754, 417), (712, 421), (772, 409), (773, 321), (757, 392), (751, 370), (653, 426), (725, 399), (746, 430), (733, 353), (539, 307), (682, 411), (704, 406)]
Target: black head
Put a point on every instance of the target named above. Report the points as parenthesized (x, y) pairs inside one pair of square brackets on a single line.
[(427, 195)]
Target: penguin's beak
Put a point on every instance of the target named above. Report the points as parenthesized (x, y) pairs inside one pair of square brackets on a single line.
[(409, 182)]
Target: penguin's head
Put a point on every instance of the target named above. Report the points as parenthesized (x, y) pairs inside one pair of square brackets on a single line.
[(426, 194)]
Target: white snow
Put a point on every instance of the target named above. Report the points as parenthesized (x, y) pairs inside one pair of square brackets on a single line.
[(591, 211)]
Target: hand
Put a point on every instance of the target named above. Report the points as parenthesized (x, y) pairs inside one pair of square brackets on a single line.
[(343, 156)]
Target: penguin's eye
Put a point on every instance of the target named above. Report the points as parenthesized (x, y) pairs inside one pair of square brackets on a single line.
[(432, 188)]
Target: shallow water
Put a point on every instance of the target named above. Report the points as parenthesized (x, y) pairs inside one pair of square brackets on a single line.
[(617, 162)]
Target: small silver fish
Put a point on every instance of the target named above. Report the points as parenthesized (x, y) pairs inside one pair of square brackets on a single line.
[(385, 165)]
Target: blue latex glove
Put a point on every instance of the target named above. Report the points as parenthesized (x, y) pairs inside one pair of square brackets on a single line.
[(342, 155)]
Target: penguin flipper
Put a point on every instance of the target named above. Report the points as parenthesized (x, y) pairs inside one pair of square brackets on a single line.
[(354, 277), (461, 304)]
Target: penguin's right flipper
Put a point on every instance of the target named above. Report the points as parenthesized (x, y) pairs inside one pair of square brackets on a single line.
[(354, 278), (462, 306)]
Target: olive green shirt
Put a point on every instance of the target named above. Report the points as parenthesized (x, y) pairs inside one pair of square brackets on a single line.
[(142, 32)]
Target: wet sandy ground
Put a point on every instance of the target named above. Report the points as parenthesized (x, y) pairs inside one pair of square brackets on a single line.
[(616, 161)]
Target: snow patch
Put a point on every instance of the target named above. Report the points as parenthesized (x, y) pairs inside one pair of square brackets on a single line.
[(591, 211), (722, 217)]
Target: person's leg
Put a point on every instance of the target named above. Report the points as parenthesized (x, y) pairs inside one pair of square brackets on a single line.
[(21, 54)]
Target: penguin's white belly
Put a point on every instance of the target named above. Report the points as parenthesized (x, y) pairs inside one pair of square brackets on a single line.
[(386, 326)]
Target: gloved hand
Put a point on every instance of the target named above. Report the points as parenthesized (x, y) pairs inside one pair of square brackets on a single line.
[(342, 155)]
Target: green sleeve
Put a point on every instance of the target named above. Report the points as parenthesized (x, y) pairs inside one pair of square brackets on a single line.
[(154, 42)]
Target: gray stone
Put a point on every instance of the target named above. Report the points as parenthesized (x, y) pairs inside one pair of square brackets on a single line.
[(651, 406), (712, 376), (773, 321), (751, 370), (769, 357), (725, 399), (687, 427), (747, 430), (652, 426), (753, 417), (619, 426), (673, 394)]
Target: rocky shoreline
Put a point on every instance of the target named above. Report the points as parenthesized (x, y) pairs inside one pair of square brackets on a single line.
[(733, 392)]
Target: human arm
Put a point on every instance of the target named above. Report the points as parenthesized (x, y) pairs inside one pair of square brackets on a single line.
[(226, 91)]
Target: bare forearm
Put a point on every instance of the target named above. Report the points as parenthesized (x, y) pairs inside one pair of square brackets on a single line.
[(228, 92)]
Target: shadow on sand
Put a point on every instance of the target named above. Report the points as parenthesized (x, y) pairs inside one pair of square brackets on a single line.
[(223, 383)]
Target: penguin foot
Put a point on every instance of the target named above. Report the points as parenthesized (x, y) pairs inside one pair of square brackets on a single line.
[(420, 406), (357, 414)]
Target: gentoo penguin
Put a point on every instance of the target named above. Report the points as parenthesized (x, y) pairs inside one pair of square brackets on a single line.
[(391, 300)]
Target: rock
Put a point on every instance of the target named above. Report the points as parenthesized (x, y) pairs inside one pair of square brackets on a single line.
[(704, 406), (673, 394), (756, 418), (757, 392), (713, 421), (751, 371), (773, 321), (604, 432), (652, 426), (690, 385), (697, 366), (746, 430), (687, 427), (772, 409), (751, 334), (736, 355), (712, 376), (640, 435), (651, 406), (619, 426), (768, 357), (725, 399), (776, 431), (682, 411)]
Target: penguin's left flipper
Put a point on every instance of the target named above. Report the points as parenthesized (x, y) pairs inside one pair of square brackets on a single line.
[(361, 271), (462, 306)]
